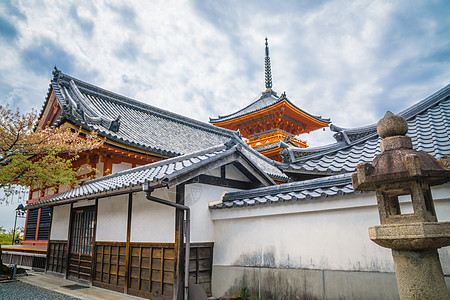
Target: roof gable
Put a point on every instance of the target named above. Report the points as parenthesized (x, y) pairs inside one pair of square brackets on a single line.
[(164, 173)]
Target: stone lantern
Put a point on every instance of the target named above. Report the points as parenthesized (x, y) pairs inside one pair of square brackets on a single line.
[(414, 237)]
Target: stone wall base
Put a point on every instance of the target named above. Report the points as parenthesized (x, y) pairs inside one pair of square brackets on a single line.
[(279, 283)]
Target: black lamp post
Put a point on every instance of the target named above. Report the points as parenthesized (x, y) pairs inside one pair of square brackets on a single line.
[(20, 213)]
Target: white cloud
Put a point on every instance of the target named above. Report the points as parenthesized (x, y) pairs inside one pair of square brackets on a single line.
[(346, 60)]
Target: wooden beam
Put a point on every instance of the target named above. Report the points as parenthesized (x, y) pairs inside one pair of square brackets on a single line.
[(243, 165), (224, 182)]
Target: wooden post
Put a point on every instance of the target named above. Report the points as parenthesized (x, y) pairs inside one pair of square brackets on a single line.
[(37, 224), (94, 248), (127, 246), (69, 237), (179, 265), (48, 240)]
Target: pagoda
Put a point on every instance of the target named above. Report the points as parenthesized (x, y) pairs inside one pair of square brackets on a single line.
[(271, 123)]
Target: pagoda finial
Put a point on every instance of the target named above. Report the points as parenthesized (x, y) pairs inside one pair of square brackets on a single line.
[(268, 71)]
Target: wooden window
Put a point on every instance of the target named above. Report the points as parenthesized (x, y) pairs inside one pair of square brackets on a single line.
[(30, 233), (44, 224)]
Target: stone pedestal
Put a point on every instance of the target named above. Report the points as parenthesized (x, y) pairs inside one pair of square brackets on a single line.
[(419, 275)]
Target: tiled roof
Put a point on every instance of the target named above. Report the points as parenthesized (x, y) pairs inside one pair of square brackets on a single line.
[(319, 188), (266, 99), (139, 125), (128, 121), (429, 129), (164, 173)]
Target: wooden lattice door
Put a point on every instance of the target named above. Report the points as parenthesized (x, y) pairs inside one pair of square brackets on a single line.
[(81, 243)]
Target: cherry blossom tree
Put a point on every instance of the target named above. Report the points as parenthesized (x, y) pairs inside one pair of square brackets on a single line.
[(39, 158)]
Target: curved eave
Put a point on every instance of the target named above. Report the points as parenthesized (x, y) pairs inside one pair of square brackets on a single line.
[(302, 115), (239, 113)]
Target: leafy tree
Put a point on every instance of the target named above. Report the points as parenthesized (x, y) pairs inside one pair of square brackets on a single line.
[(6, 237), (41, 157)]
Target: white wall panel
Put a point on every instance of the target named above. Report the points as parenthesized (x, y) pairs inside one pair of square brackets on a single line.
[(112, 219), (153, 222), (60, 222)]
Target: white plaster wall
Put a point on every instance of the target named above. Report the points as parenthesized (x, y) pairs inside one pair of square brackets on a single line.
[(112, 218), (214, 172), (197, 197), (60, 222), (153, 222), (231, 172), (120, 167), (318, 234)]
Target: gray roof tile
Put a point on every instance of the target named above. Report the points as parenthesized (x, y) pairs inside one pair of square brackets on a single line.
[(153, 174), (429, 129), (266, 99), (331, 186), (141, 126)]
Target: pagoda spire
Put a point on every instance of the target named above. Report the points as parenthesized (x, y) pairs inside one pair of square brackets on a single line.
[(268, 71)]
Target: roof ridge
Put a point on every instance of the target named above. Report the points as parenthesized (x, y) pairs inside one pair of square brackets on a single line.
[(118, 98), (424, 104), (408, 113), (288, 187), (279, 99)]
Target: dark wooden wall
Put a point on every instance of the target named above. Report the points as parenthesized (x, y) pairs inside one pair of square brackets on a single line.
[(152, 270), (151, 266), (109, 265), (80, 266), (57, 254), (200, 265)]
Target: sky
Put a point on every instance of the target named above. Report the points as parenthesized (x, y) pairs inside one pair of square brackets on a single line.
[(349, 61)]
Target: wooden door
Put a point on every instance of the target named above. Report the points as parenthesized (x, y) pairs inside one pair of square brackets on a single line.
[(81, 243)]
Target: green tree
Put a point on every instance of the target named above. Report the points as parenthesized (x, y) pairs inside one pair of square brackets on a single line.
[(39, 157), (42, 157), (6, 236)]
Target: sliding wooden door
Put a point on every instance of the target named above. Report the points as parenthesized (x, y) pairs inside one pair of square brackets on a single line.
[(81, 243)]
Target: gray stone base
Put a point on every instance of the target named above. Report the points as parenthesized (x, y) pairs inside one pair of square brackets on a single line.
[(278, 283)]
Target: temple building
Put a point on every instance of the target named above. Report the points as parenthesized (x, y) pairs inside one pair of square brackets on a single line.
[(271, 123), (134, 134), (180, 203)]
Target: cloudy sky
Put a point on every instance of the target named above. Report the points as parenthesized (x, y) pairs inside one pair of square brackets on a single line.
[(345, 60)]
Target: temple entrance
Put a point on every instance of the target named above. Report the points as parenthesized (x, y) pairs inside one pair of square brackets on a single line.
[(81, 240)]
